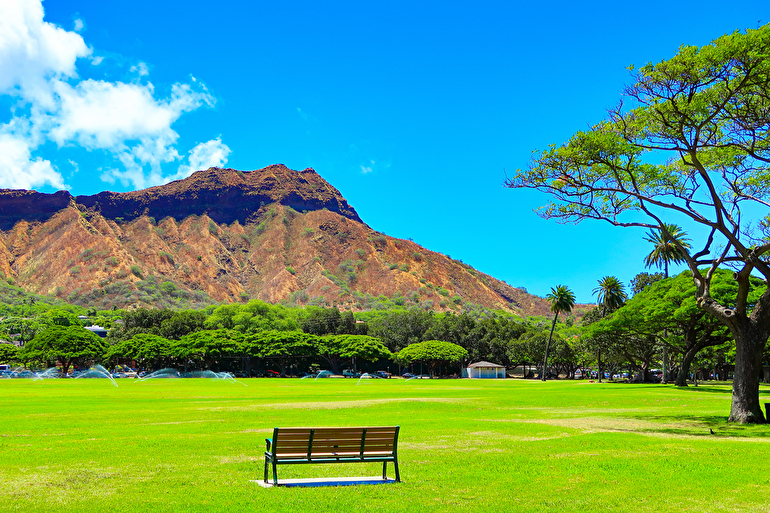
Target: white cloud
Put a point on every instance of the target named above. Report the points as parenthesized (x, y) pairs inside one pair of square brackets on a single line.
[(205, 155), (141, 69), (34, 53), (126, 120), (366, 169), (18, 170), (78, 25)]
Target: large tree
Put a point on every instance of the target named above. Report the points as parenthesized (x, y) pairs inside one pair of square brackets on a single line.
[(209, 347), (285, 347), (335, 349), (690, 146), (65, 345), (150, 351), (432, 352)]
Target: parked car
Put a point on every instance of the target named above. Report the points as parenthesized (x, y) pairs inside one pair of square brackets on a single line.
[(350, 373), (407, 375), (383, 374), (272, 374)]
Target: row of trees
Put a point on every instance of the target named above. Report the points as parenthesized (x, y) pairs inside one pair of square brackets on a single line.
[(659, 320), (211, 349)]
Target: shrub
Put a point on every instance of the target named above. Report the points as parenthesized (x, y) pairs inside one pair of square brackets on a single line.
[(308, 232), (291, 270), (213, 228), (136, 270), (347, 266), (379, 240), (442, 291), (417, 256), (167, 256), (112, 261), (75, 270)]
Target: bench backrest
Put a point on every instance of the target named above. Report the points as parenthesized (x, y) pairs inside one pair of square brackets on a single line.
[(321, 442)]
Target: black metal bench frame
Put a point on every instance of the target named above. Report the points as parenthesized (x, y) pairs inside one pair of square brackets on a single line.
[(297, 446)]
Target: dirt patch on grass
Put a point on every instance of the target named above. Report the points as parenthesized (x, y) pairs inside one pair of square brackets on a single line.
[(679, 430), (240, 458), (184, 422)]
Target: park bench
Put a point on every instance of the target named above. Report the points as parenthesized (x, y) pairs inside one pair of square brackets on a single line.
[(296, 446)]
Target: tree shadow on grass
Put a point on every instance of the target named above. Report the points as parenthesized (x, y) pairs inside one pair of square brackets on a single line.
[(705, 389), (707, 426)]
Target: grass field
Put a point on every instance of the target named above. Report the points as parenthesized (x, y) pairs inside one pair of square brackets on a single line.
[(196, 444)]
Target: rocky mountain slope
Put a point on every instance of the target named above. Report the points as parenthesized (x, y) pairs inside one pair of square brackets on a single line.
[(223, 235)]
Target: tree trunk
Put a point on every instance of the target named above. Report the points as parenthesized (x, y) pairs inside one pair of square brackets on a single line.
[(599, 364), (745, 407), (684, 369)]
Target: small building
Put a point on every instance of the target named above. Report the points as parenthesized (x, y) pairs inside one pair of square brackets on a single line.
[(98, 330), (484, 370)]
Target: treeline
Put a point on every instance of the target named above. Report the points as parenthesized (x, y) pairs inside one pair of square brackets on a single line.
[(659, 327), (259, 335)]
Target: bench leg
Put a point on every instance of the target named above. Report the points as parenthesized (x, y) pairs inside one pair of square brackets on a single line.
[(275, 474), (398, 476), (384, 470), (265, 470)]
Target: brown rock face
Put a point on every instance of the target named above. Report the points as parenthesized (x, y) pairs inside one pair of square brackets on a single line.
[(225, 195), (30, 206), (223, 235)]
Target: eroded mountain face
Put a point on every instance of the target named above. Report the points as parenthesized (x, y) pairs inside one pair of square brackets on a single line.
[(225, 235)]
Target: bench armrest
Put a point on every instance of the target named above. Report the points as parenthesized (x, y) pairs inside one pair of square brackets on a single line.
[(269, 442)]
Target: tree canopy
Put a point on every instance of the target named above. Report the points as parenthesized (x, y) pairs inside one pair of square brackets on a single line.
[(432, 352), (65, 344)]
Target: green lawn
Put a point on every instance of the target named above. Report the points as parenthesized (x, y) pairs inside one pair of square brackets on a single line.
[(195, 444)]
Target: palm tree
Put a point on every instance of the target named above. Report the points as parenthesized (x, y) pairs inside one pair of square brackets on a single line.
[(666, 250), (665, 247), (562, 300), (611, 295)]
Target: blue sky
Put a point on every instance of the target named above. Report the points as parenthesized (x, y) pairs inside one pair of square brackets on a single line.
[(414, 111)]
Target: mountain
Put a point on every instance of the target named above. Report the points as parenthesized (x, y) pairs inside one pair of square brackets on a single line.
[(223, 235)]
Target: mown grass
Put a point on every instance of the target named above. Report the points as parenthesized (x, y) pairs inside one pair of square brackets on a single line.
[(195, 445)]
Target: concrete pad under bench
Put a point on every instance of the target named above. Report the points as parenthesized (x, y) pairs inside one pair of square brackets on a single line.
[(326, 481)]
